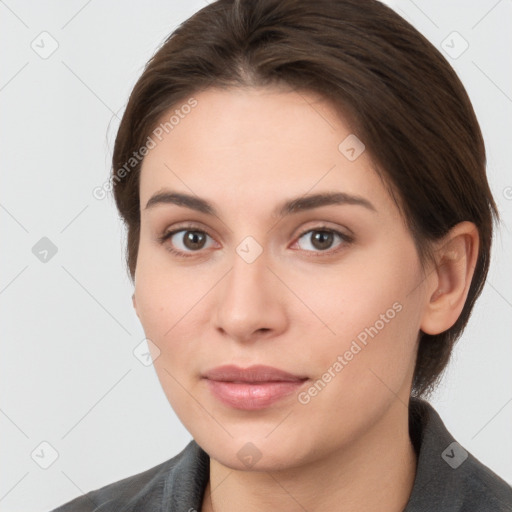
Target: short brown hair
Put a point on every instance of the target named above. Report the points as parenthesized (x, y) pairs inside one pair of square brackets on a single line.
[(400, 95)]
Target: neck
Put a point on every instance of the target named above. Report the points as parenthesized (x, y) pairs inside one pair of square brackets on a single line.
[(376, 472)]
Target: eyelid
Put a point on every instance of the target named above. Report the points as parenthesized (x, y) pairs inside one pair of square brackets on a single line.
[(191, 226), (346, 238), (185, 227), (321, 225)]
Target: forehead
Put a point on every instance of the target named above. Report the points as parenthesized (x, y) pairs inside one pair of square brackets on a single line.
[(263, 143)]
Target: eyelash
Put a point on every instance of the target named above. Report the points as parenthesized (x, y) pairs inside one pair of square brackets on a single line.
[(168, 234)]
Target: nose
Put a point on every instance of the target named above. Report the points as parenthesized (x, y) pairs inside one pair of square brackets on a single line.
[(250, 302)]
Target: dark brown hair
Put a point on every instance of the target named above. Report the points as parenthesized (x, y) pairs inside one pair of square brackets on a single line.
[(399, 94)]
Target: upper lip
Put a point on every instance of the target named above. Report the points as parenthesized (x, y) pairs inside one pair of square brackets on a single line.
[(255, 373)]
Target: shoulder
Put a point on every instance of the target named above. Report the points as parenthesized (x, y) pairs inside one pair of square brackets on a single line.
[(146, 491), (482, 489), (115, 495), (448, 477)]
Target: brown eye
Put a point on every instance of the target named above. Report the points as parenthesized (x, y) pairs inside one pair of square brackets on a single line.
[(322, 240), (184, 242), (194, 240)]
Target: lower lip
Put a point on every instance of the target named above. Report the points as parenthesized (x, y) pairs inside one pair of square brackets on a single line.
[(252, 396)]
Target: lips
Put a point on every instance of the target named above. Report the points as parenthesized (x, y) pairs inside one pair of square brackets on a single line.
[(252, 374), (253, 388)]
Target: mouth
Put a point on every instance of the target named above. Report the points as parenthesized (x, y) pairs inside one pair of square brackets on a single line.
[(252, 374), (253, 388)]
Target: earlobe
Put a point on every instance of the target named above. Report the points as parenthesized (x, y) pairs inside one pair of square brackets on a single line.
[(450, 280)]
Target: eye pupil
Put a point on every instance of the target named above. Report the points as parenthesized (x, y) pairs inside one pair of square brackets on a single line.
[(194, 239), (322, 239)]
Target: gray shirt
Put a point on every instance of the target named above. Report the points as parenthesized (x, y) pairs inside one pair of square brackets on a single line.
[(448, 478)]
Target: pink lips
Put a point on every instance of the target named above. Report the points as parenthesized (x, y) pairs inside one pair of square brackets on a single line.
[(251, 388)]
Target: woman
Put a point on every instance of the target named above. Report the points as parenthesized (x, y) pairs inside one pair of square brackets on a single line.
[(309, 226)]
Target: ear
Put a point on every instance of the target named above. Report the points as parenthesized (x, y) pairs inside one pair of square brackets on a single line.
[(134, 302), (448, 283)]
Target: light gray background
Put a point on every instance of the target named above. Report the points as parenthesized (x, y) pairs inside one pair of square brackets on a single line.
[(68, 373)]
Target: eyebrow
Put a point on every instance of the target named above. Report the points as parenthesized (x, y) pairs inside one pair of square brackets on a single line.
[(307, 202)]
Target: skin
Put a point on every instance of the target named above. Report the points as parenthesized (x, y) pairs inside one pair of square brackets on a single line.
[(296, 307)]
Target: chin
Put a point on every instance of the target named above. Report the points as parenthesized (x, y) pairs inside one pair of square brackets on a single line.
[(261, 452)]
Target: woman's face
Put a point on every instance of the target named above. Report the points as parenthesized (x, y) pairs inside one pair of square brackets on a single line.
[(331, 292)]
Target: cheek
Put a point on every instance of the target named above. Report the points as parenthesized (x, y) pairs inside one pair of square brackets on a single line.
[(369, 360), (170, 305), (165, 308), (163, 295), (369, 318)]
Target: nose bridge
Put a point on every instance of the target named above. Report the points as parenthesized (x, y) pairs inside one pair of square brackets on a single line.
[(247, 281), (248, 302)]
